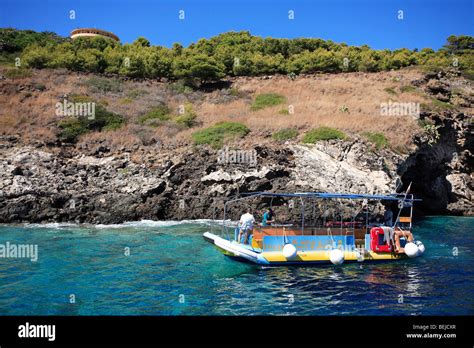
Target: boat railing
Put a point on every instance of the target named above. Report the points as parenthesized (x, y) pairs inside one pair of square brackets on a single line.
[(335, 223)]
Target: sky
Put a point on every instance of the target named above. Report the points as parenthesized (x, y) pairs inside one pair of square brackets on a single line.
[(377, 23)]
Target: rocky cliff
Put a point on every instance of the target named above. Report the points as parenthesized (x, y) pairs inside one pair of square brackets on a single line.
[(38, 185)]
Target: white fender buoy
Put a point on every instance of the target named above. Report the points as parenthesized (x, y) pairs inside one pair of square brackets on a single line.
[(420, 246), (336, 256), (411, 250), (289, 251)]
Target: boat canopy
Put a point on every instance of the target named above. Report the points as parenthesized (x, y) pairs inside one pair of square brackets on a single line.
[(323, 195), (404, 200)]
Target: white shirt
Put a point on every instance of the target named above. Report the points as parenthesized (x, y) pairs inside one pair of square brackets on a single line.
[(246, 221)]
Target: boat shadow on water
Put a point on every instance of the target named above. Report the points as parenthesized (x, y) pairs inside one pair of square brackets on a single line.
[(403, 277)]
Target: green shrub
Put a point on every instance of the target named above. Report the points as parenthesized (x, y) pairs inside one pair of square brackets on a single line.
[(18, 73), (13, 40), (39, 87), (441, 105), (135, 93), (266, 100), (423, 122), (188, 118), (344, 109), (284, 112), (182, 87), (378, 139), (431, 133), (457, 44), (390, 90), (37, 56), (323, 133), (104, 85), (72, 127), (285, 134), (220, 132), (199, 67), (407, 89), (436, 106), (79, 98), (236, 93), (104, 120), (7, 59), (125, 101), (160, 112)]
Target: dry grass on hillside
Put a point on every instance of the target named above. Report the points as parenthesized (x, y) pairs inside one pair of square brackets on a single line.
[(317, 100)]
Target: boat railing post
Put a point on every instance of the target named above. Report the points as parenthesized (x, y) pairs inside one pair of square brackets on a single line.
[(402, 205), (366, 218), (214, 214), (302, 216), (224, 227), (342, 216), (324, 214), (353, 223)]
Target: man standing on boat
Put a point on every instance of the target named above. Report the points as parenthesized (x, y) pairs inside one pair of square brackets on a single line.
[(267, 217), (245, 226)]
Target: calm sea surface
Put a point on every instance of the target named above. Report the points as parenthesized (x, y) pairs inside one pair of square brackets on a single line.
[(171, 270)]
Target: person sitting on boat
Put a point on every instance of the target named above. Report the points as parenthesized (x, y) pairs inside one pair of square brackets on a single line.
[(268, 217), (401, 233), (245, 226)]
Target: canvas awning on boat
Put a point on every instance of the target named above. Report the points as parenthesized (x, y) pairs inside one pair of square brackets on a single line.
[(327, 195)]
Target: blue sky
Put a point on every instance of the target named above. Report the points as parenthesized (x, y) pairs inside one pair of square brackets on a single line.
[(373, 22)]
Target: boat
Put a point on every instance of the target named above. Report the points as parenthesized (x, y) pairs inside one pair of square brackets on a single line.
[(326, 233)]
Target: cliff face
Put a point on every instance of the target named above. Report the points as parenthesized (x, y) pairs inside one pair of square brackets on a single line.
[(97, 183), (41, 186), (442, 173)]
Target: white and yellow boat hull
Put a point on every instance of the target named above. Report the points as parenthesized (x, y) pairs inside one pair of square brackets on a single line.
[(247, 253)]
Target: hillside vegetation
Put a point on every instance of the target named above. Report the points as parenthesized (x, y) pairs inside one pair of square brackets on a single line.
[(306, 92), (228, 54)]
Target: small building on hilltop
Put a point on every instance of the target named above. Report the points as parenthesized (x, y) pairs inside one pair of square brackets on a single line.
[(90, 32)]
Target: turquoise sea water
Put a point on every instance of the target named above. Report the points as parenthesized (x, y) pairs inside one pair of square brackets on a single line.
[(171, 270)]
